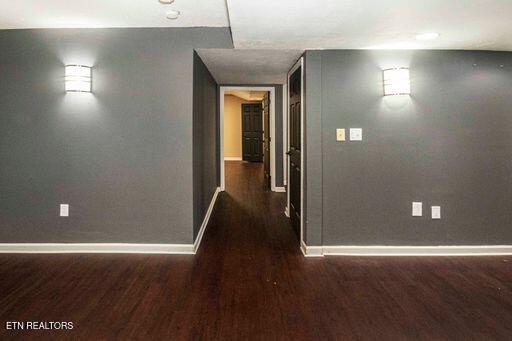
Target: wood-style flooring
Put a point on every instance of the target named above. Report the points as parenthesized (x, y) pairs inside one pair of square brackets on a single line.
[(250, 281)]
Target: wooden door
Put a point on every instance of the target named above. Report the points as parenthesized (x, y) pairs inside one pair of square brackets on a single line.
[(252, 132), (294, 153), (266, 138)]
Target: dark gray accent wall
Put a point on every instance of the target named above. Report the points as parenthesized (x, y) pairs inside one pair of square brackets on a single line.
[(278, 129), (312, 185), (447, 144), (121, 157), (279, 136), (205, 136)]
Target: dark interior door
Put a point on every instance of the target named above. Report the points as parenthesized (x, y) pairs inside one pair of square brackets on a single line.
[(252, 132), (266, 138), (294, 152)]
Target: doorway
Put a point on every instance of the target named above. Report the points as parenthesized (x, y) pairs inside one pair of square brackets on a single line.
[(267, 135), (252, 132)]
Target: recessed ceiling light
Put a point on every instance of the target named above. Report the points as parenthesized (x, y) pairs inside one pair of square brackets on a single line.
[(173, 14), (166, 2), (427, 36)]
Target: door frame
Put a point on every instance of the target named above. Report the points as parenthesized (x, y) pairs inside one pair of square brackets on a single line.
[(272, 91), (299, 63)]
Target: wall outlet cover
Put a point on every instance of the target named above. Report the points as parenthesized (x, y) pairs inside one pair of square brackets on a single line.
[(417, 209), (64, 210), (436, 212), (340, 134), (356, 134)]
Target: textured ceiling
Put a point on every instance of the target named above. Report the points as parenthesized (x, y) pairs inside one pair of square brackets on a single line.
[(290, 24), (249, 66), (371, 24), (110, 13)]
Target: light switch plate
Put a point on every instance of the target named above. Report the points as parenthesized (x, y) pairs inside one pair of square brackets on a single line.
[(340, 134), (436, 212), (64, 210), (417, 209), (356, 134)]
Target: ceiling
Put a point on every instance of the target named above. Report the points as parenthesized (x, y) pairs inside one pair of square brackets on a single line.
[(249, 66), (371, 24), (290, 24), (110, 13)]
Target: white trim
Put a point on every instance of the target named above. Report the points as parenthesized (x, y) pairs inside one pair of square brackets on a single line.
[(280, 189), (272, 91), (96, 248), (442, 250), (311, 251), (233, 158), (299, 63), (303, 246), (206, 220), (285, 132), (273, 139)]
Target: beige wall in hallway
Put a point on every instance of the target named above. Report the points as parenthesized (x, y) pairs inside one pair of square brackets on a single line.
[(233, 126)]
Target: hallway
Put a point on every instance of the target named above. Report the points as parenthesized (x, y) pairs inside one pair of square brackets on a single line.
[(249, 281)]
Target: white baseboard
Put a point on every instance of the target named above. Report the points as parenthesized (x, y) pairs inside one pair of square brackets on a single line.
[(279, 189), (462, 250), (233, 158), (311, 251), (112, 247), (206, 220), (96, 248)]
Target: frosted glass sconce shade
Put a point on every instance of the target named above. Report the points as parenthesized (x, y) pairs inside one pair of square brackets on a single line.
[(78, 78), (396, 82)]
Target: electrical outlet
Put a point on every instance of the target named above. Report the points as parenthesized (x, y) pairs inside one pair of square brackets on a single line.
[(356, 134), (417, 209), (64, 210), (436, 212)]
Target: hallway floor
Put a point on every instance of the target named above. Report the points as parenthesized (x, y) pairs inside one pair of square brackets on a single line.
[(250, 281)]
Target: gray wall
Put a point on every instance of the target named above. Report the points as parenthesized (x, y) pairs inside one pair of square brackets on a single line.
[(312, 214), (121, 157), (279, 136), (278, 129), (205, 136), (447, 144)]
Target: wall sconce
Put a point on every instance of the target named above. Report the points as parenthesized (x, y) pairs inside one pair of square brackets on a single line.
[(78, 78), (396, 82)]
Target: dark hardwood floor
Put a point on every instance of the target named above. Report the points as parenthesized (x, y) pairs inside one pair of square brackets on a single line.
[(249, 281)]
